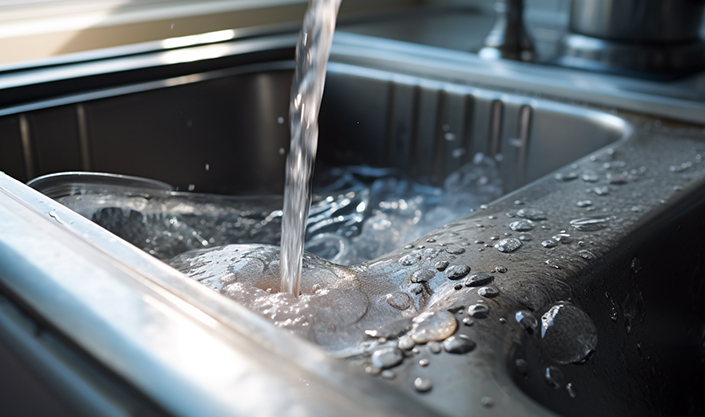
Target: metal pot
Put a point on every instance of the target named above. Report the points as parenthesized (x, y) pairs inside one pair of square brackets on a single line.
[(642, 21)]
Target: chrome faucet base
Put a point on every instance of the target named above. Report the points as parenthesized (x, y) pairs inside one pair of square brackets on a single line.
[(508, 38)]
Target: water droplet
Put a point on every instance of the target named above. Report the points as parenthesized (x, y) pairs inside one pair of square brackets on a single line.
[(422, 384), (503, 320), (488, 292), (406, 343), (568, 176), (508, 245), (518, 203), (553, 377), (549, 244), (590, 176), (501, 269), (387, 357), (568, 334), (423, 275), (208, 167), (455, 250), (388, 374), (531, 214), (55, 216), (562, 238), (584, 203), (523, 225), (478, 311), (372, 370), (191, 187), (424, 362), (527, 321), (636, 265), (434, 347), (458, 344), (409, 246), (571, 390), (522, 367), (458, 152), (680, 168), (589, 224), (487, 402), (449, 136), (553, 263), (399, 300), (390, 330), (280, 120), (613, 314), (587, 255), (455, 272), (441, 265), (416, 288), (637, 209), (468, 321), (430, 326), (601, 190), (409, 260), (616, 179), (476, 280)]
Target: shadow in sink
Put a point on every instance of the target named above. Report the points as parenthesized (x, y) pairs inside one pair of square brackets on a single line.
[(225, 131)]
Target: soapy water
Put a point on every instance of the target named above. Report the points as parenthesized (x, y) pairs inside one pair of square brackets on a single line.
[(348, 227), (358, 214)]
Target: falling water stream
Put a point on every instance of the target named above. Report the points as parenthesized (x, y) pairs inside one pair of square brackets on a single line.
[(312, 51)]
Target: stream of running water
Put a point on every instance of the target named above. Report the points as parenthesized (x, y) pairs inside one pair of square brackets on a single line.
[(312, 51)]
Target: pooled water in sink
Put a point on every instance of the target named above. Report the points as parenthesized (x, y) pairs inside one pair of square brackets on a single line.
[(358, 214), (365, 221), (359, 222)]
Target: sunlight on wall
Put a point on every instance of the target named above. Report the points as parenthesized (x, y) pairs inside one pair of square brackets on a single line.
[(39, 33)]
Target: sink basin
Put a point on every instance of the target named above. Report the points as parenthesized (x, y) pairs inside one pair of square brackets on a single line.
[(129, 333), (232, 121)]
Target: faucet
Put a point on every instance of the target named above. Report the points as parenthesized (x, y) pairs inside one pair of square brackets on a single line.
[(635, 36), (508, 38)]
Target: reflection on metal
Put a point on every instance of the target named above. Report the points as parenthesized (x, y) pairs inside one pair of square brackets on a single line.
[(508, 38), (195, 54), (496, 118), (210, 37), (83, 139), (27, 151), (635, 36), (524, 135), (596, 54)]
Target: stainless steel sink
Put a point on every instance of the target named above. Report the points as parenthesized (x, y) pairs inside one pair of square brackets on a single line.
[(232, 121), (121, 331)]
